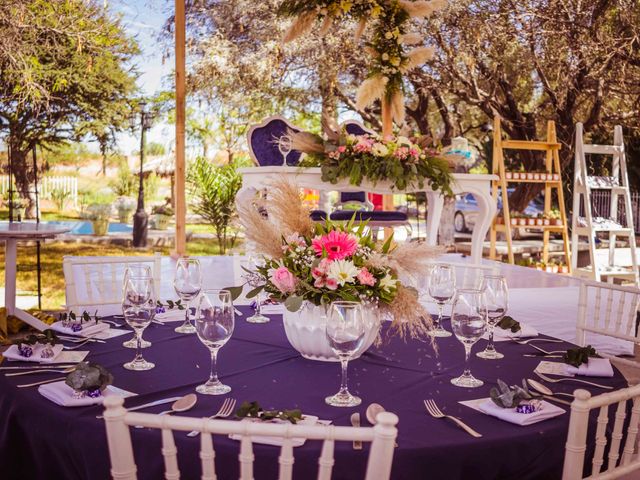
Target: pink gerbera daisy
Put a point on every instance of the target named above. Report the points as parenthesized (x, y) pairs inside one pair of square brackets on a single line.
[(338, 245)]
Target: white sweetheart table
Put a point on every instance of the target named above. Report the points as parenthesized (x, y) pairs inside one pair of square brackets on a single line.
[(258, 178)]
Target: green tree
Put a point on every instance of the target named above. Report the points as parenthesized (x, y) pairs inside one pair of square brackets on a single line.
[(64, 70)]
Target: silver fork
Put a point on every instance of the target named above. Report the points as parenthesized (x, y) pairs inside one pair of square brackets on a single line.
[(570, 379), (525, 342), (225, 411), (77, 345), (41, 370), (435, 412), (545, 351), (51, 380)]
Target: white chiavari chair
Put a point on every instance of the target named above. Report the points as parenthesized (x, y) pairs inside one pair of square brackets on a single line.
[(622, 459), (123, 467), (95, 283), (610, 310)]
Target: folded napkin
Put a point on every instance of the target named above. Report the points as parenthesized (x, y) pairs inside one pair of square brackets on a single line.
[(524, 332), (277, 441), (523, 419), (272, 308), (595, 367), (173, 315), (62, 394), (12, 353), (88, 328)]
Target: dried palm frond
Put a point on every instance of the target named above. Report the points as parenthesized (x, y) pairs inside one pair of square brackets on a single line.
[(299, 27), (362, 24), (413, 258), (330, 128), (421, 9), (287, 210), (263, 233), (305, 142), (410, 318), (411, 38), (417, 57), (371, 90), (326, 25), (397, 107)]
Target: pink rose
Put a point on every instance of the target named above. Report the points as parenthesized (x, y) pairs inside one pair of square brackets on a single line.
[(342, 149), (366, 278), (283, 280), (332, 284)]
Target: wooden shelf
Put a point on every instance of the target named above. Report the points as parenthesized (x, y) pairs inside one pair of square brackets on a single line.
[(552, 228), (519, 180), (530, 145)]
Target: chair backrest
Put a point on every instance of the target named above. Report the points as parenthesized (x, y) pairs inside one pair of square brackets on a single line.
[(619, 462), (469, 275), (354, 127), (123, 467), (607, 309), (95, 283), (263, 142)]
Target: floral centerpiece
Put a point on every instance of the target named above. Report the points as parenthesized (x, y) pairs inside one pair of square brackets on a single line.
[(309, 265)]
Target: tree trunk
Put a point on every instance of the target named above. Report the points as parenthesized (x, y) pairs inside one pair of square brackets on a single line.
[(328, 95), (23, 175)]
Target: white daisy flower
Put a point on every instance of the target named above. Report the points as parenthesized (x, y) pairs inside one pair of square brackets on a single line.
[(342, 271)]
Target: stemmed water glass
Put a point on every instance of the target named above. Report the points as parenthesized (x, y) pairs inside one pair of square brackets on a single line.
[(139, 270), (254, 280), (214, 326), (496, 300), (345, 332), (137, 314), (442, 287), (468, 320), (187, 283), (284, 147)]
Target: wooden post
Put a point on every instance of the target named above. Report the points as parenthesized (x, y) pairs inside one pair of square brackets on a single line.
[(181, 210), (387, 133)]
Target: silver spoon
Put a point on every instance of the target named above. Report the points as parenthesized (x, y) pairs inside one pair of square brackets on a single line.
[(181, 405), (546, 392), (372, 412)]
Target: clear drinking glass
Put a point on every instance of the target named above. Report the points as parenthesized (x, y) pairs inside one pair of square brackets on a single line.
[(468, 321), (284, 147), (139, 270), (496, 301), (345, 332), (214, 326), (442, 287), (137, 314), (255, 280), (187, 283)]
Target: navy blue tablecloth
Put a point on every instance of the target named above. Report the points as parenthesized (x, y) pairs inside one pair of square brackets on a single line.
[(41, 440)]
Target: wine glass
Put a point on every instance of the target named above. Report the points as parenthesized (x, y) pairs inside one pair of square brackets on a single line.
[(137, 314), (254, 280), (214, 326), (345, 332), (496, 300), (284, 147), (442, 287), (187, 283), (468, 320), (139, 270)]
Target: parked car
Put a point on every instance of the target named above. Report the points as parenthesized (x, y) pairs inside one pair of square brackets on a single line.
[(467, 210)]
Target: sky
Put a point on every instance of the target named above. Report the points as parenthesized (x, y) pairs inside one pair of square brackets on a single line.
[(144, 19)]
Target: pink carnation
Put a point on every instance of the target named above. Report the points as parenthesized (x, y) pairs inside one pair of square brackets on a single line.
[(320, 282), (366, 278), (342, 148), (338, 245), (332, 284), (283, 280)]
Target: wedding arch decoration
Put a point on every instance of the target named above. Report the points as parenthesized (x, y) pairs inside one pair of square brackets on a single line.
[(393, 49)]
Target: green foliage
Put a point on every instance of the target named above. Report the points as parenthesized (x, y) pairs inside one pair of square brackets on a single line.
[(580, 355), (509, 323), (177, 304), (125, 183), (214, 189), (60, 197), (254, 410), (151, 187), (154, 149)]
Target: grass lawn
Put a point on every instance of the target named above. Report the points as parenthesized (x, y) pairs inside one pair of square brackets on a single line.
[(51, 262)]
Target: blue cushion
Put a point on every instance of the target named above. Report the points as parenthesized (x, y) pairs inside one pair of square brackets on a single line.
[(353, 197), (354, 129), (264, 143), (375, 216), (318, 215)]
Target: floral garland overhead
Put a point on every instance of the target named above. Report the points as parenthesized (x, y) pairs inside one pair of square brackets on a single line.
[(388, 47)]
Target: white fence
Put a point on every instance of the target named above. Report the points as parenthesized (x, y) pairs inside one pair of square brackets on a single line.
[(49, 184)]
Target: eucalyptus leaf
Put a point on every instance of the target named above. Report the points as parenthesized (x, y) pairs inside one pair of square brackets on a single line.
[(509, 323), (254, 292), (234, 291), (293, 303), (580, 355)]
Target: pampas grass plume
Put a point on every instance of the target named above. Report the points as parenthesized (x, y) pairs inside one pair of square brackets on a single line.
[(371, 90), (299, 27), (397, 107), (417, 57), (411, 38), (362, 24), (305, 142), (326, 25)]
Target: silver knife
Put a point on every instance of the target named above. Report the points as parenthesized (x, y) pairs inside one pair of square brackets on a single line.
[(554, 399), (150, 404), (355, 421), (36, 367)]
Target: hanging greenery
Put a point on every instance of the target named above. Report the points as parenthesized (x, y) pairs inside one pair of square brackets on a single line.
[(388, 46)]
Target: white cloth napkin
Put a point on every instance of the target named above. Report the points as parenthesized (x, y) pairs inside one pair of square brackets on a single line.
[(524, 332), (173, 315), (277, 441), (523, 419), (88, 328), (62, 394), (271, 308), (13, 354), (595, 367)]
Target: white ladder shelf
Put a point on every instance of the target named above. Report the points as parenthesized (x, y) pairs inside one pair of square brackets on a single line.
[(588, 226)]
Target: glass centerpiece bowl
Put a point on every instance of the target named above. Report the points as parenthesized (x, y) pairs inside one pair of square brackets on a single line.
[(308, 266)]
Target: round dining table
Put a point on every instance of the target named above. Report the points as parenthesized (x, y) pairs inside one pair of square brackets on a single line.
[(41, 440)]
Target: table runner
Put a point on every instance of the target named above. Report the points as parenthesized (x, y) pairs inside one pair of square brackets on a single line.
[(39, 439)]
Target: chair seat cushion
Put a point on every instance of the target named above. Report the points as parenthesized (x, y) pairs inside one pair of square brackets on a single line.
[(318, 215), (374, 216)]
